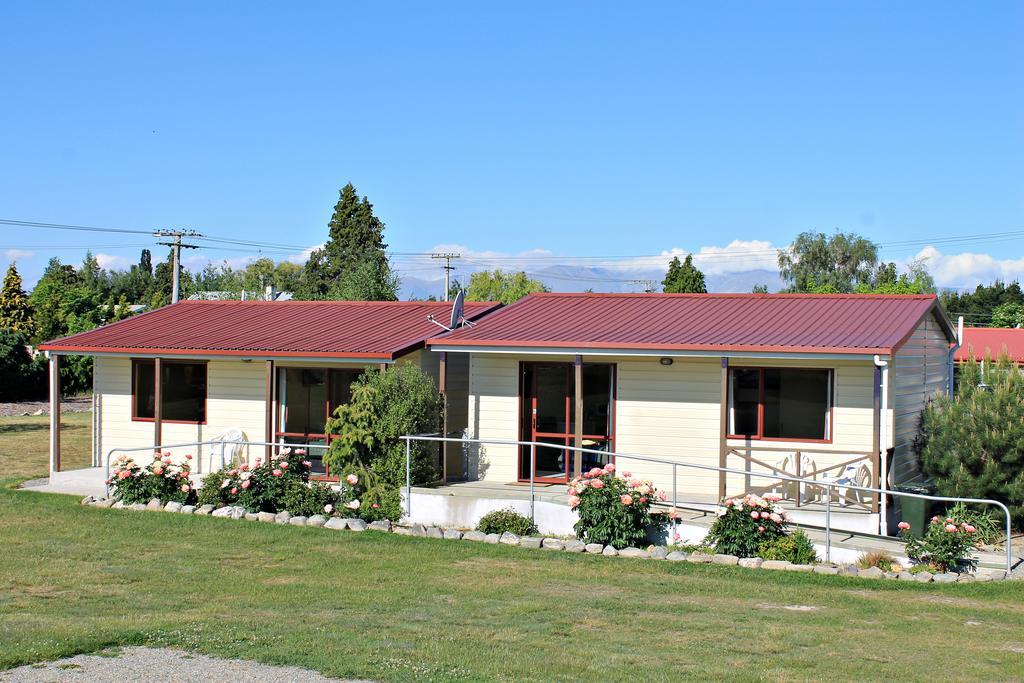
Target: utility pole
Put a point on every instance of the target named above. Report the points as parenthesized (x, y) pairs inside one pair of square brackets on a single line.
[(448, 268), (648, 285), (176, 247)]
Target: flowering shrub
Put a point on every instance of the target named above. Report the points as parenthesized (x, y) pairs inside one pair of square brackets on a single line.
[(745, 523), (500, 521), (368, 497), (161, 478), (614, 509), (946, 544)]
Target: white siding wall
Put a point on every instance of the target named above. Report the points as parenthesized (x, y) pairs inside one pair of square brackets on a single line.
[(493, 414), (920, 370)]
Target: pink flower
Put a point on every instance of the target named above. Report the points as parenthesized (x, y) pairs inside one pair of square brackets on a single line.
[(729, 503), (574, 502), (662, 496), (609, 468), (596, 472), (188, 456), (597, 484), (760, 529), (246, 484), (352, 479), (626, 475), (969, 528), (300, 451), (283, 464), (185, 488), (586, 475), (158, 471), (306, 463), (277, 473), (951, 528), (677, 538), (934, 519), (375, 506), (234, 490), (776, 517), (626, 499), (949, 520), (634, 483), (755, 515), (124, 474), (353, 505), (245, 467), (903, 525)]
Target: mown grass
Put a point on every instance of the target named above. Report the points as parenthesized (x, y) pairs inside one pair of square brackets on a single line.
[(25, 444), (76, 579)]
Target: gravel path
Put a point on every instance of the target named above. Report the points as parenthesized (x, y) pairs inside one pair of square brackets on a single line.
[(159, 665), (67, 405)]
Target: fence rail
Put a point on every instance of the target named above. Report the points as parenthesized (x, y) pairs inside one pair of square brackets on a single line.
[(829, 485)]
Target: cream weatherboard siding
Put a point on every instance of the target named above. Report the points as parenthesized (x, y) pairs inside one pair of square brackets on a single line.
[(669, 412), (919, 371)]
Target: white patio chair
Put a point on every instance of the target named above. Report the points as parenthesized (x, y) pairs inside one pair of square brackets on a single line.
[(852, 475), (229, 451), (787, 467)]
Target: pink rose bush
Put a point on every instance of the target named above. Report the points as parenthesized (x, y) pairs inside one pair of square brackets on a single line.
[(945, 545), (364, 496), (614, 509), (161, 478), (281, 483), (743, 524)]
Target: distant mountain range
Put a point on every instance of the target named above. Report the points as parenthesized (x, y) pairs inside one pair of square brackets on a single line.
[(579, 278)]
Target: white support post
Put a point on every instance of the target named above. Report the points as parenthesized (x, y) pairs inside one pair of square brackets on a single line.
[(54, 413)]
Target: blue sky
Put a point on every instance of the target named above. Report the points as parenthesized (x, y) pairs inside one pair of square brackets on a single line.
[(579, 129)]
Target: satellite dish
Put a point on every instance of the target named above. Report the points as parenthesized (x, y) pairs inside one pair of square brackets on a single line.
[(458, 307)]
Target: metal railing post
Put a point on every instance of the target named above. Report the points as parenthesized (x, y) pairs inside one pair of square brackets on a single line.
[(533, 471), (828, 523), (408, 477)]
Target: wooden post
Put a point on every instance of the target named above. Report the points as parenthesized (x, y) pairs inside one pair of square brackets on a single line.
[(577, 462), (54, 413), (270, 408), (382, 366), (723, 423), (158, 399), (442, 386), (876, 438)]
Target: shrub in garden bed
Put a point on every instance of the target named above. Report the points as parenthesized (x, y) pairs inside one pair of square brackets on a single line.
[(281, 483), (795, 548), (614, 509), (946, 544), (161, 478), (744, 524), (507, 519)]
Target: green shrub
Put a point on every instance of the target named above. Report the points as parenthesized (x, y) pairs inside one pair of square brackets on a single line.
[(214, 491), (385, 406), (500, 521), (614, 510), (972, 445), (876, 558), (946, 544), (795, 548), (21, 376), (744, 524), (314, 498), (989, 524), (161, 478)]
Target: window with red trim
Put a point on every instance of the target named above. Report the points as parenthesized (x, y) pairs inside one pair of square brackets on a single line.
[(182, 386), (786, 404)]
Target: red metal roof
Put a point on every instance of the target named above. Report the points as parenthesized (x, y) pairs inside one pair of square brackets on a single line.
[(991, 342), (380, 330), (808, 323)]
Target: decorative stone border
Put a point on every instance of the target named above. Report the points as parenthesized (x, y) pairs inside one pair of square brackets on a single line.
[(655, 552)]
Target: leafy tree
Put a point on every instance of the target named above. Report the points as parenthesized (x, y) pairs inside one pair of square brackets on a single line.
[(972, 445), (15, 309), (20, 376), (760, 289), (1010, 314), (684, 278), (886, 280), (837, 263), (351, 257), (979, 306), (135, 284), (501, 286), (163, 283)]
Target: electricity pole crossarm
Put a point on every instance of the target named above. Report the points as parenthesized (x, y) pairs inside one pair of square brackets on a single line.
[(176, 247), (448, 268)]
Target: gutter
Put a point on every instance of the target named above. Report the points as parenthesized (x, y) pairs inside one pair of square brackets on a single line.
[(883, 445)]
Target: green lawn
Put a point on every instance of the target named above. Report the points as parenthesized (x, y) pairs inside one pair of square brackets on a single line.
[(25, 445), (76, 579)]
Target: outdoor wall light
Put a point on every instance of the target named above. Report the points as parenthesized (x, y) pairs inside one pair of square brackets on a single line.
[(666, 361)]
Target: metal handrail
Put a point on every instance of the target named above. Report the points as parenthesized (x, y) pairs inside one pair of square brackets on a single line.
[(409, 438)]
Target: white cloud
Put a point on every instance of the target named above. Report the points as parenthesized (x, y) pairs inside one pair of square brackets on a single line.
[(303, 255), (19, 254), (968, 269), (112, 261)]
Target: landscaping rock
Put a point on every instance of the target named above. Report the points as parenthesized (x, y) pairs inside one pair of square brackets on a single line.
[(336, 523), (204, 509), (382, 525), (118, 505), (965, 578), (222, 512), (238, 512), (415, 530), (634, 552), (508, 538), (775, 564), (266, 517), (892, 575), (553, 544), (471, 536), (316, 520), (594, 548), (88, 500), (994, 574), (700, 558), (871, 573), (434, 532), (676, 556), (452, 534), (492, 538), (172, 507), (138, 506), (923, 577), (944, 578), (357, 525), (251, 517), (750, 562), (905, 576), (154, 504), (104, 503), (802, 568), (849, 570), (282, 517), (575, 546), (659, 552), (609, 551), (983, 578), (297, 520), (187, 509), (827, 570), (530, 542), (725, 559)]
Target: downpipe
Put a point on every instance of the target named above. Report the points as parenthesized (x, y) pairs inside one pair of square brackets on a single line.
[(883, 446)]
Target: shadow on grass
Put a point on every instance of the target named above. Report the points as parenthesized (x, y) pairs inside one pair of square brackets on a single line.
[(22, 427)]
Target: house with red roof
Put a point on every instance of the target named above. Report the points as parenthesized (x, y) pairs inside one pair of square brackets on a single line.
[(810, 386), (262, 371)]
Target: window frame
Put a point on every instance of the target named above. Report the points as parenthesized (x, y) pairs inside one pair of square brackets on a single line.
[(165, 361), (730, 419)]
